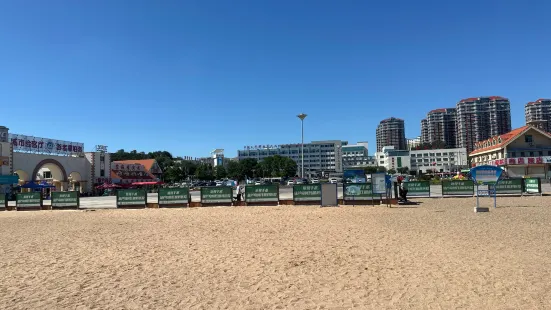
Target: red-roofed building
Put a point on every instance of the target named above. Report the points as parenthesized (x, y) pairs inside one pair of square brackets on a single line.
[(131, 171), (525, 151)]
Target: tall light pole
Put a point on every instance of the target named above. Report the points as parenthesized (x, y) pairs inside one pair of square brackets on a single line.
[(302, 116)]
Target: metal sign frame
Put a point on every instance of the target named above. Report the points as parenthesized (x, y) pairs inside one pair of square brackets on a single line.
[(489, 176)]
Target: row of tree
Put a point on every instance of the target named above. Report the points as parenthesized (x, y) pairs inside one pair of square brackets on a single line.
[(177, 169)]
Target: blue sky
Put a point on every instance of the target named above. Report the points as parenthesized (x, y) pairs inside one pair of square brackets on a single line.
[(191, 76)]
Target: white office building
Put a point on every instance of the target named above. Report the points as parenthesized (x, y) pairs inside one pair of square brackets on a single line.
[(438, 160), (321, 158), (391, 158), (357, 156)]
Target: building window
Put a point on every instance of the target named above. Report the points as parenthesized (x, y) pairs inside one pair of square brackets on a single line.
[(549, 153), (102, 173), (531, 153), (513, 154), (540, 153), (522, 154), (528, 139)]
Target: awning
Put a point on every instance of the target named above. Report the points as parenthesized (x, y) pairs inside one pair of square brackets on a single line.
[(147, 183)]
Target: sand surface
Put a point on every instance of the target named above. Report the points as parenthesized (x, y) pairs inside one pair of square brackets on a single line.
[(438, 255)]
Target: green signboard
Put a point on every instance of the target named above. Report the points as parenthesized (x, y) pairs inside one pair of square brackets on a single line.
[(358, 191), (418, 188), (458, 187), (218, 194), (532, 185), (173, 196), (65, 199), (262, 193), (307, 192), (131, 197), (29, 200), (509, 186)]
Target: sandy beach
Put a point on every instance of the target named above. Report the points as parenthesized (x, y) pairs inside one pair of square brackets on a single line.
[(437, 255)]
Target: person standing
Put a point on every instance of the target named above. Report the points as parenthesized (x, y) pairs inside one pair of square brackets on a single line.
[(238, 193)]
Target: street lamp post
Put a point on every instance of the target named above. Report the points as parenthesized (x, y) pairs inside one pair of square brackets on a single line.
[(302, 116)]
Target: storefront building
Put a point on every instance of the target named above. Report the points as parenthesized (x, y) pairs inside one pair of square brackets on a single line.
[(525, 151), (62, 164)]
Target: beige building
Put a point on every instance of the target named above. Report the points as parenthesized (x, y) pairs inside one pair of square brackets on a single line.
[(525, 151)]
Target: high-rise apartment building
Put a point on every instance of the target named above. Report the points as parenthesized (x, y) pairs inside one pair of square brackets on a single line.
[(391, 132), (538, 114), (481, 118), (440, 126)]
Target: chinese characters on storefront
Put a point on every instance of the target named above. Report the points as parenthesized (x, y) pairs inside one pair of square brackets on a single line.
[(30, 144)]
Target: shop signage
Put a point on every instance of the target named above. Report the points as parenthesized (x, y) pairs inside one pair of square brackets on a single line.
[(103, 180), (4, 161), (101, 148), (218, 194), (458, 187), (307, 192), (3, 203), (173, 196), (127, 167), (509, 186), (532, 185), (418, 188), (262, 193), (3, 134), (358, 191), (131, 197), (65, 199), (9, 179), (525, 161), (30, 144), (29, 200)]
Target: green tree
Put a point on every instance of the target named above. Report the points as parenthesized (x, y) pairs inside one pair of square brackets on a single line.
[(391, 171), (220, 172), (381, 169), (289, 167), (248, 167), (403, 170), (204, 172), (370, 170), (233, 170)]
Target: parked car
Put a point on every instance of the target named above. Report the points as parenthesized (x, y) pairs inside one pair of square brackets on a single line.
[(291, 182), (315, 181), (333, 181), (299, 181), (219, 183), (257, 183)]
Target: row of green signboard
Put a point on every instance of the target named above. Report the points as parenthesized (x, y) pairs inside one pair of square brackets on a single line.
[(34, 200), (270, 193)]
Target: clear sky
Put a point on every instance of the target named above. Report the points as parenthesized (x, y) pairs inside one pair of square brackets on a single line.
[(192, 76)]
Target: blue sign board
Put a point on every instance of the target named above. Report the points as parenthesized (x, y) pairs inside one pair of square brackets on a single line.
[(9, 179), (486, 174)]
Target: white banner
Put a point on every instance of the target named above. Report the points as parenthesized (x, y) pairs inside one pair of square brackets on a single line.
[(30, 144)]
